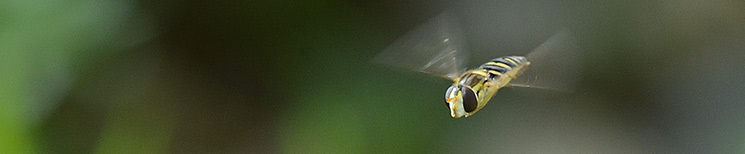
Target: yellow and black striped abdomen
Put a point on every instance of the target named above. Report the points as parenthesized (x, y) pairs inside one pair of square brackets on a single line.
[(500, 66)]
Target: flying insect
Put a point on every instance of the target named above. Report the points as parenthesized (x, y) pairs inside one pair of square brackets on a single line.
[(437, 48)]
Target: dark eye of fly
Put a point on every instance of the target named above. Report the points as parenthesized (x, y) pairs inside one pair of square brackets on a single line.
[(469, 99)]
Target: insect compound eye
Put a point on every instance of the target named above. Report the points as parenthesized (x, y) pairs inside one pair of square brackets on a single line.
[(469, 99)]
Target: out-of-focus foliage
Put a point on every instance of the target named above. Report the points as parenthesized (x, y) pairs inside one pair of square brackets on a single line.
[(44, 46), (94, 76)]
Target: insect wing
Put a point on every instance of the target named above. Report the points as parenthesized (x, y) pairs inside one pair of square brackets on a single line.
[(435, 47), (555, 64)]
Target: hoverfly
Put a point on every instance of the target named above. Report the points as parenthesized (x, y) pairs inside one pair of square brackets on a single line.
[(437, 48)]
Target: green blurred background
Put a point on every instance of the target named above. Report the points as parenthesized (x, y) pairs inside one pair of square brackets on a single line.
[(293, 76)]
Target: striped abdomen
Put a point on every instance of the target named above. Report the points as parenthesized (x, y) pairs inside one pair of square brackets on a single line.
[(502, 65)]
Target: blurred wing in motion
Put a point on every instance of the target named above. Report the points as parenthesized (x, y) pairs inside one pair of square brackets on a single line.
[(555, 64), (436, 48)]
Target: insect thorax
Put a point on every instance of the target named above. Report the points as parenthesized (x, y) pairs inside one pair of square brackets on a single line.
[(492, 75)]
